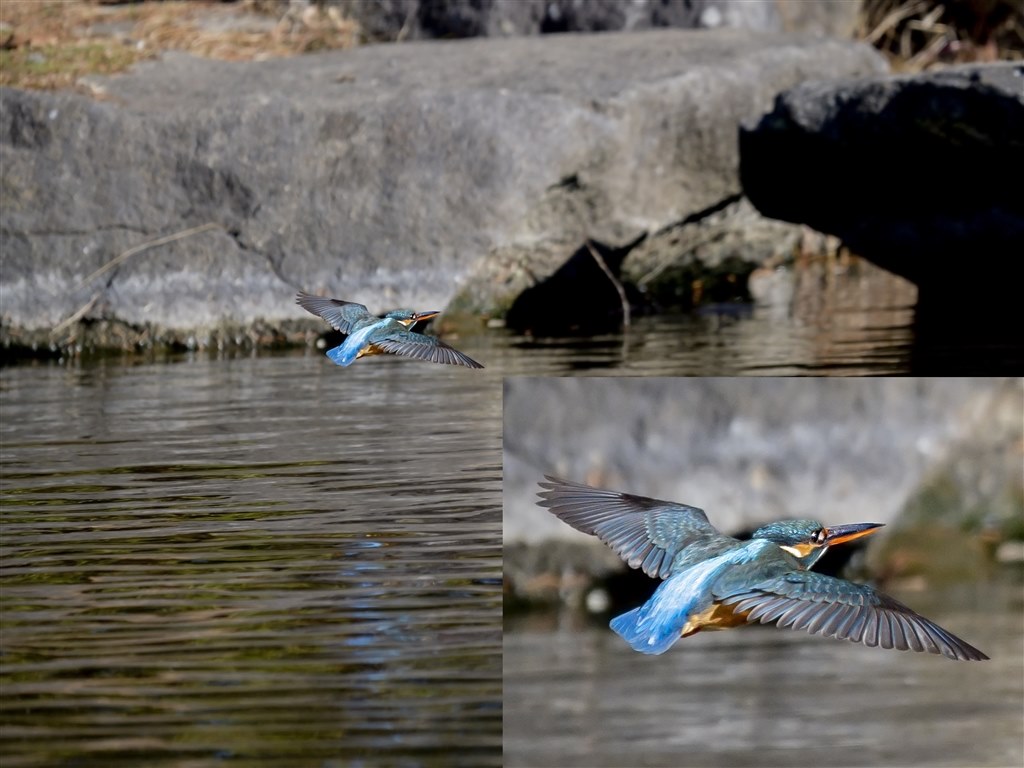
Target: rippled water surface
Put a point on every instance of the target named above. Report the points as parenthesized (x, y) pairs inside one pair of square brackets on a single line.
[(275, 560), (268, 559), (576, 695), (808, 323)]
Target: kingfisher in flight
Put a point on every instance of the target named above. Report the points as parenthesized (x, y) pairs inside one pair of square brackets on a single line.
[(713, 581), (367, 334)]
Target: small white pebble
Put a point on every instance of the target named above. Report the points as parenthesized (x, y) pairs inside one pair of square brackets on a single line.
[(1010, 552), (597, 601), (711, 18)]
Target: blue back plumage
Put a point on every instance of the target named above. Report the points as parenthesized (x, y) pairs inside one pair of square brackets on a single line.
[(655, 626), (348, 350)]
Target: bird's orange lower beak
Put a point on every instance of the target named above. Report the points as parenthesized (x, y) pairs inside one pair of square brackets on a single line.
[(838, 534), (425, 315)]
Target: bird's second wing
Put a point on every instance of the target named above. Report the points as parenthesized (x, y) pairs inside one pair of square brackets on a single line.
[(340, 314), (646, 533), (423, 347), (831, 607)]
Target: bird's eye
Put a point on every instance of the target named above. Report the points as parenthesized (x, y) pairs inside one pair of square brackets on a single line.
[(819, 537)]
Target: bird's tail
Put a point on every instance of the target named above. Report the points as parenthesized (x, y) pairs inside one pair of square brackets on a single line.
[(650, 628), (342, 356), (656, 625)]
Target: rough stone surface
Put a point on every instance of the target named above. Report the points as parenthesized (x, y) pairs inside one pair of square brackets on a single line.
[(734, 234), (389, 174), (921, 174), (394, 19)]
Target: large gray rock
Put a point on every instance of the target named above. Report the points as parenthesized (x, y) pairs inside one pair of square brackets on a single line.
[(389, 174), (922, 175)]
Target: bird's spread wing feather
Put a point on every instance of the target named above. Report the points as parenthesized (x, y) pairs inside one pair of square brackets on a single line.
[(423, 347), (646, 533), (341, 314), (831, 607)]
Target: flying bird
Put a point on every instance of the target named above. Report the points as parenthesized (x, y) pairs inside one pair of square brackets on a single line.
[(713, 581), (367, 334)]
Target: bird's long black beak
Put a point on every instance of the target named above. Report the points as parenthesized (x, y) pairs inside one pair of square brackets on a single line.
[(837, 534), (420, 316)]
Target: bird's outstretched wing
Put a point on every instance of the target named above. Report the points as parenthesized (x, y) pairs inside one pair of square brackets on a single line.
[(646, 533), (423, 347), (340, 314), (832, 607)]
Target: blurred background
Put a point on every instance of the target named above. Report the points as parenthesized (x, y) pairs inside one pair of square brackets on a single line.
[(938, 460)]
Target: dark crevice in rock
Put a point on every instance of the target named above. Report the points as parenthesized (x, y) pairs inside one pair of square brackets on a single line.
[(578, 298), (570, 183), (705, 213), (276, 266), (25, 127)]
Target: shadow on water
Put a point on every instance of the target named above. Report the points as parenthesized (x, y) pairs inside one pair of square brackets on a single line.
[(821, 318), (264, 559), (810, 321), (576, 695), (714, 345)]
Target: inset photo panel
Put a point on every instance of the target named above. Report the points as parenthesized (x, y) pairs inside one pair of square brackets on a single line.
[(764, 571)]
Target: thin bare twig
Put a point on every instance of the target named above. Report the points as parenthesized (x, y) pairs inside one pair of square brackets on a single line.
[(892, 19), (618, 286), (78, 315), (406, 25), (922, 58), (146, 246), (125, 255)]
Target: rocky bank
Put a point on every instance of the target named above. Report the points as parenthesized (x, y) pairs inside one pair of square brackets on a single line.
[(426, 174)]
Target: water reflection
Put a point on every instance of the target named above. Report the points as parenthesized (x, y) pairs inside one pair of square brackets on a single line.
[(810, 321), (250, 559), (575, 695)]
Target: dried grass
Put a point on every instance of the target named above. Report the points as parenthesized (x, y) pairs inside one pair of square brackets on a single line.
[(920, 34), (50, 44)]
